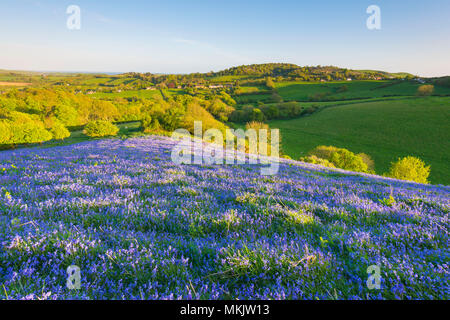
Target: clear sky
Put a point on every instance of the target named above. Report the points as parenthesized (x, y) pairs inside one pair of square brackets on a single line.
[(180, 36)]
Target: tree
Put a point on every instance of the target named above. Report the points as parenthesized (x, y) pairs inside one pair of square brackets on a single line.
[(269, 83), (66, 114), (100, 128), (103, 110), (425, 90), (220, 110), (411, 169), (59, 131), (5, 132), (29, 132)]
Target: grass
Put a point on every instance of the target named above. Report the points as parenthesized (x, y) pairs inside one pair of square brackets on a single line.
[(385, 130), (301, 91), (144, 94)]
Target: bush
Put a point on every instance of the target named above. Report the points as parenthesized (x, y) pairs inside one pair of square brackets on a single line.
[(347, 160), (411, 169), (257, 115), (368, 161), (425, 90), (269, 83), (255, 125), (323, 152), (318, 161), (100, 128), (59, 131), (342, 158)]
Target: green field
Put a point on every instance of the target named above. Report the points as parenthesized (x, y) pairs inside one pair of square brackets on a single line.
[(385, 130), (302, 91), (128, 94)]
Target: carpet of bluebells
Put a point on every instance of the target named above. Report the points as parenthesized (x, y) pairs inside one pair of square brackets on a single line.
[(141, 227)]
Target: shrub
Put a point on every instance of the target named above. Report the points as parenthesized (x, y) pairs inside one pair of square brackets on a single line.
[(220, 110), (255, 125), (59, 131), (342, 158), (347, 160), (318, 161), (411, 169), (269, 83), (323, 152), (150, 124), (100, 128), (425, 90), (257, 115), (368, 161)]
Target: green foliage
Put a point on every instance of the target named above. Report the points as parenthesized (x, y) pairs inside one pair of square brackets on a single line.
[(59, 131), (339, 157), (103, 110), (411, 169), (195, 112), (316, 160), (67, 114), (269, 83), (5, 132), (323, 152), (100, 128), (257, 115), (30, 132), (347, 160), (220, 110)]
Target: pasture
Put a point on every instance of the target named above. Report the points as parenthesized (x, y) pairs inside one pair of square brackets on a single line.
[(385, 130), (301, 91)]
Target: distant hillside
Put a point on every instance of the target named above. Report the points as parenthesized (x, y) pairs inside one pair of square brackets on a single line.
[(306, 73)]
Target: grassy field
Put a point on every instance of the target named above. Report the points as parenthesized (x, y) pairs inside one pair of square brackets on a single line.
[(385, 130), (301, 91), (128, 94)]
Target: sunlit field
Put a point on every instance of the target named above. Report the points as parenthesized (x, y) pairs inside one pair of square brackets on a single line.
[(141, 227)]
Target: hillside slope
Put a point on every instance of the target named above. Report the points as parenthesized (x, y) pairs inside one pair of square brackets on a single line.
[(385, 130), (139, 226)]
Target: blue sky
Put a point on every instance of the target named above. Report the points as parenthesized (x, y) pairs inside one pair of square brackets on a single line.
[(174, 36)]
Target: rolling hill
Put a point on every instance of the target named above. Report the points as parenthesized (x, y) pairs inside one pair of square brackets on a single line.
[(385, 130), (140, 227)]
